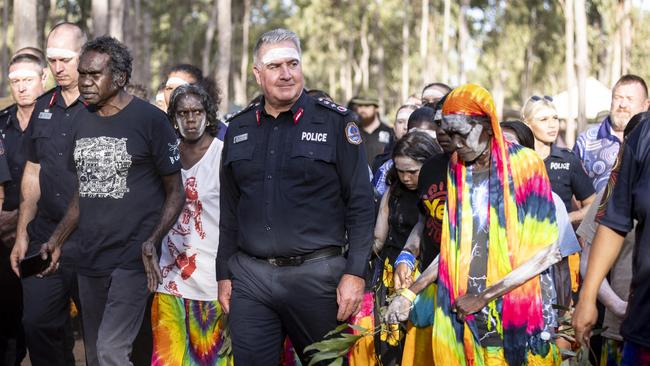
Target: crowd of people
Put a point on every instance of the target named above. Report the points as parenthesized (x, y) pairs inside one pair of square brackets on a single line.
[(451, 238)]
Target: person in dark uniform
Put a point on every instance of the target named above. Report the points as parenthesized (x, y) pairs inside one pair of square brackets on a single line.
[(48, 183), (296, 212), (565, 171), (375, 134), (27, 81)]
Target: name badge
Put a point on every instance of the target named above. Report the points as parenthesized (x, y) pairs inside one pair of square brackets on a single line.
[(45, 115), (239, 138)]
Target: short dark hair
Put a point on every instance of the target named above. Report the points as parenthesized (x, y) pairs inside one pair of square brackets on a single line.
[(192, 70), (631, 79), (419, 116), (206, 101), (206, 82), (317, 93), (523, 132), (120, 60), (28, 57)]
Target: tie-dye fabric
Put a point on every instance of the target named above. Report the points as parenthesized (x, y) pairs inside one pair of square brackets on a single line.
[(521, 219), (187, 332)]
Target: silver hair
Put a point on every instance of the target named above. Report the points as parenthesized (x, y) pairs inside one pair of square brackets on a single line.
[(275, 36)]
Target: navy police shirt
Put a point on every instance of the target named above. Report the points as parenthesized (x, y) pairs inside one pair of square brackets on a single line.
[(49, 142), (295, 184), (625, 200), (13, 136), (567, 176)]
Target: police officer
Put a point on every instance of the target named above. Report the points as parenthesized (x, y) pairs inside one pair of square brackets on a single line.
[(49, 180), (294, 188), (27, 80)]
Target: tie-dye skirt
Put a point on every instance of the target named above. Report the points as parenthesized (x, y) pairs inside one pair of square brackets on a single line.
[(188, 332)]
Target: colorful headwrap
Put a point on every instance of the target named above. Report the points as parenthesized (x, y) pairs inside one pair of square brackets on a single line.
[(521, 221)]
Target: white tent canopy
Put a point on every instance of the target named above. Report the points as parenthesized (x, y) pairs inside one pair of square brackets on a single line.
[(599, 98)]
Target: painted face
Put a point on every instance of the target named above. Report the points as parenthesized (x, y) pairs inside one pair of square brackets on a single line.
[(408, 171), (190, 117), (401, 122), (279, 74), (63, 58), (627, 100), (470, 136), (27, 82), (444, 140), (510, 135), (176, 79), (545, 125), (96, 84)]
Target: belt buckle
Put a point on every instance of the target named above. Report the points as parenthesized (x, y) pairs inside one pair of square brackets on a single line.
[(285, 261)]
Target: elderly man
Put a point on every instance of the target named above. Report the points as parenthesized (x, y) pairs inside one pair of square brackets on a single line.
[(598, 146), (295, 192), (47, 186), (129, 194)]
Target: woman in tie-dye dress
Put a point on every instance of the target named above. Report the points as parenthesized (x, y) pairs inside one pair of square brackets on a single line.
[(188, 324)]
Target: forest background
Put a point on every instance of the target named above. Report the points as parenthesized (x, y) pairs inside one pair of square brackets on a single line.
[(389, 48)]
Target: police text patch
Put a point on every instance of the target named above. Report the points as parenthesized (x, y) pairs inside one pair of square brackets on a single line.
[(314, 136)]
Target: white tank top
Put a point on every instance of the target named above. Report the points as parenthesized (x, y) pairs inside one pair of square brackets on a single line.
[(189, 250)]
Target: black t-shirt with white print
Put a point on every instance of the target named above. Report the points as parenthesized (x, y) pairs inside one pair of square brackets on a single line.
[(120, 160)]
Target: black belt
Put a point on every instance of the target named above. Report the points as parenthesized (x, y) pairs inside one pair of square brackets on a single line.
[(328, 252)]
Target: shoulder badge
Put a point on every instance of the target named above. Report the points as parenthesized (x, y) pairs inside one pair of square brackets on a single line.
[(352, 133), (229, 117), (333, 106), (7, 110)]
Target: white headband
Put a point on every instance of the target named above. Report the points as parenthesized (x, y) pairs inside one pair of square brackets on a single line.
[(23, 73), (431, 92), (404, 113), (275, 54), (60, 53), (175, 81), (160, 97)]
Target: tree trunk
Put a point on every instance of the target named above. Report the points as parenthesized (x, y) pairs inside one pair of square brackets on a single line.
[(224, 23), (405, 52), (209, 36), (626, 35), (462, 41), (381, 66), (364, 63), (25, 32), (116, 19), (424, 41), (241, 82), (100, 17), (4, 46), (569, 68), (146, 44), (582, 60), (445, 42)]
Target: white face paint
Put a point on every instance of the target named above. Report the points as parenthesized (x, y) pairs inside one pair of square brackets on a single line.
[(194, 132), (59, 53), (22, 74), (275, 54)]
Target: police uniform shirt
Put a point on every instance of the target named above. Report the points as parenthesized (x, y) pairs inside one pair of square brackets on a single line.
[(49, 142), (12, 135), (567, 176), (376, 141), (295, 184)]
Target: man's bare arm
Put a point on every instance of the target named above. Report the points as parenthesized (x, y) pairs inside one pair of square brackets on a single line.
[(30, 193), (174, 201)]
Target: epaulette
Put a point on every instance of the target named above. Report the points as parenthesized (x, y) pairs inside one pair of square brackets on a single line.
[(7, 110), (49, 92), (333, 106), (229, 117)]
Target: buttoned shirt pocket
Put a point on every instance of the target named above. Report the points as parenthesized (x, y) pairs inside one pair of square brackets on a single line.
[(310, 161), (41, 135), (240, 157)]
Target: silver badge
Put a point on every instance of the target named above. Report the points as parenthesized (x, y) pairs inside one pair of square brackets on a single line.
[(239, 138), (45, 115)]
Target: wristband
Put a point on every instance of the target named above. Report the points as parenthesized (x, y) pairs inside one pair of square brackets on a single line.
[(408, 294), (406, 257)]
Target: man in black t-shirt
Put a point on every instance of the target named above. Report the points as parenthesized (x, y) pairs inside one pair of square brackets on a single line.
[(374, 133), (129, 194)]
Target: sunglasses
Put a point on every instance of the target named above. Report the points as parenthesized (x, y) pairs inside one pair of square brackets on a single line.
[(536, 98)]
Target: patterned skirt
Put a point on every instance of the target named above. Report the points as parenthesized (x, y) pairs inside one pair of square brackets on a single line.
[(188, 332)]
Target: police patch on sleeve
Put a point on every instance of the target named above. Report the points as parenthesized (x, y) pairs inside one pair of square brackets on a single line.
[(352, 133)]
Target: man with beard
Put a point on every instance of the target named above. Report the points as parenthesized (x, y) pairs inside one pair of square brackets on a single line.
[(598, 146), (375, 134)]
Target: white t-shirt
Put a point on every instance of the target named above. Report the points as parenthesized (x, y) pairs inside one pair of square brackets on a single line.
[(189, 250)]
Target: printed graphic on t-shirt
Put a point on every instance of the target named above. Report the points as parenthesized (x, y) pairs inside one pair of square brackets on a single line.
[(102, 166), (434, 201), (177, 240), (174, 152)]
